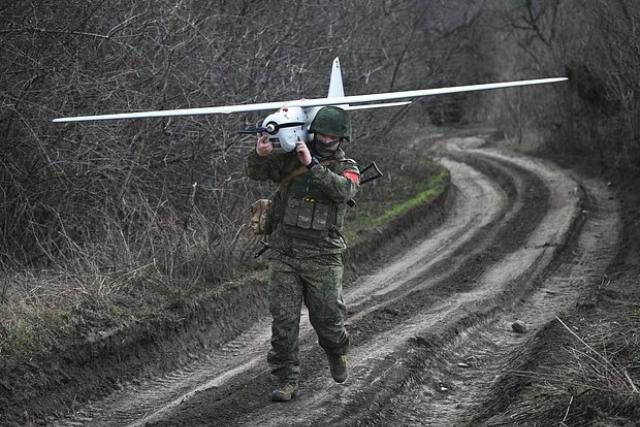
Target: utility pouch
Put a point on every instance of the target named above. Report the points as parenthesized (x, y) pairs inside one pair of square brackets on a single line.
[(308, 218), (305, 213), (291, 211), (320, 217), (261, 221)]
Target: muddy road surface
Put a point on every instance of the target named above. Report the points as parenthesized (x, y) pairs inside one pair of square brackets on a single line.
[(432, 329)]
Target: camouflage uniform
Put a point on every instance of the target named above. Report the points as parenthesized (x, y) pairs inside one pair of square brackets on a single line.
[(305, 260)]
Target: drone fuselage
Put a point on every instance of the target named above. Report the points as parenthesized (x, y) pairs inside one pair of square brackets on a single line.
[(288, 125)]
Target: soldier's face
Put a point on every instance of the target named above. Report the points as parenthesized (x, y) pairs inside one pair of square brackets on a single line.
[(329, 142)]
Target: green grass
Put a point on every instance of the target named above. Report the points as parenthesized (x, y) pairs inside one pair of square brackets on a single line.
[(17, 338), (434, 186), (26, 332), (419, 183), (116, 311)]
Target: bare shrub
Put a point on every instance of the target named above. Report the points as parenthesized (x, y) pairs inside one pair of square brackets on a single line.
[(595, 44), (121, 211)]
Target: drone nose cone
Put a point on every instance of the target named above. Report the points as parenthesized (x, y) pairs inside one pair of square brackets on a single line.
[(271, 128)]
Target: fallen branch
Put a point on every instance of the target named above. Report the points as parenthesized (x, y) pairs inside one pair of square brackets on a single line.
[(44, 30), (633, 386)]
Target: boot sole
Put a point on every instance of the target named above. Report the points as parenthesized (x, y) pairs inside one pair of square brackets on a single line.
[(340, 380)]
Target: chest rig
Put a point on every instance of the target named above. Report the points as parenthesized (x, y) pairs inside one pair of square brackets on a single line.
[(308, 213)]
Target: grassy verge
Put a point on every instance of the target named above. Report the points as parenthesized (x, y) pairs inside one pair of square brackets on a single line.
[(419, 181)]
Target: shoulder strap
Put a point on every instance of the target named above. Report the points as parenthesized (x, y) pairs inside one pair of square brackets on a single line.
[(284, 183)]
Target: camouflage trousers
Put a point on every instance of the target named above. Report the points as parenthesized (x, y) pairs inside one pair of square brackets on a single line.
[(317, 282)]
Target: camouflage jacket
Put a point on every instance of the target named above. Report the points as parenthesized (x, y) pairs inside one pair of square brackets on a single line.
[(308, 209)]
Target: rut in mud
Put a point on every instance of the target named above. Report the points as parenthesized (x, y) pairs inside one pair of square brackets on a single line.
[(430, 330)]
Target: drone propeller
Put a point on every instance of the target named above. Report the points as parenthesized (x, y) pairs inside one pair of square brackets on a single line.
[(271, 128), (253, 130)]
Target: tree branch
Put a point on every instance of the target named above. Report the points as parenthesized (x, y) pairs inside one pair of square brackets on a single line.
[(44, 30)]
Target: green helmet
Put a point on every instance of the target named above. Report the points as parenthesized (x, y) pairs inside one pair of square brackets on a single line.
[(331, 120)]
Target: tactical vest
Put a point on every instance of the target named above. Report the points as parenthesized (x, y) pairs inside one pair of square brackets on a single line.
[(308, 213)]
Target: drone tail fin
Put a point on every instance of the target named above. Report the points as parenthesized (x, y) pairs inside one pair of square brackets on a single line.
[(336, 89)]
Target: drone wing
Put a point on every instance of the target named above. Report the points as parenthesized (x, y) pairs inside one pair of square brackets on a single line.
[(381, 105), (354, 102)]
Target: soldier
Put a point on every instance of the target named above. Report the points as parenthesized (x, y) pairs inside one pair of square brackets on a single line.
[(306, 244)]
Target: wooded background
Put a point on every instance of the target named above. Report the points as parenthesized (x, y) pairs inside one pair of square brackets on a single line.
[(105, 204)]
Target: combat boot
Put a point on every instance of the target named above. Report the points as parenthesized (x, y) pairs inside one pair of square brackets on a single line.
[(284, 392), (338, 367)]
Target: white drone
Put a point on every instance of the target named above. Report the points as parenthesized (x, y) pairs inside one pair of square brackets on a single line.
[(292, 119)]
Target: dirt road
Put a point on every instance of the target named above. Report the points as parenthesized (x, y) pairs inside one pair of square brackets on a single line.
[(431, 330)]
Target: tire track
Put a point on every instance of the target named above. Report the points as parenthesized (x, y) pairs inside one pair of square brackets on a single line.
[(154, 399), (489, 350), (443, 300), (383, 334), (382, 369)]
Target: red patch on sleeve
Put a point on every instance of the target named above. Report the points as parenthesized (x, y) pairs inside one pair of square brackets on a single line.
[(352, 176)]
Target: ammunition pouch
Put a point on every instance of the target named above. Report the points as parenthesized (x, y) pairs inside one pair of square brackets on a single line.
[(312, 219)]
